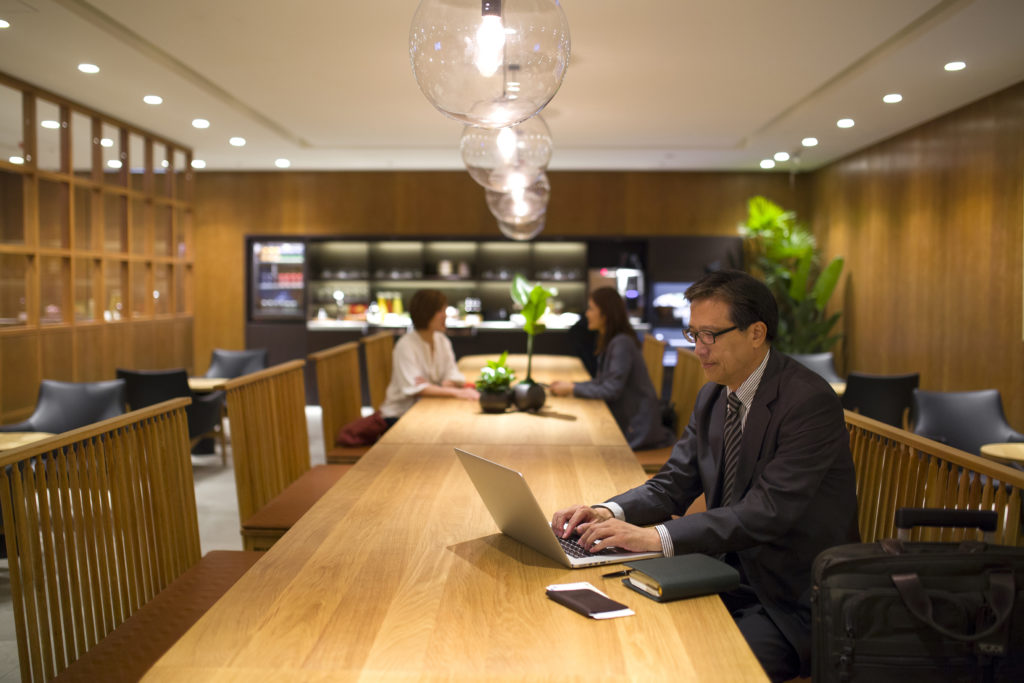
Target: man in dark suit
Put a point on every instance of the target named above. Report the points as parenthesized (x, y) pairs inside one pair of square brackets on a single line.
[(783, 492)]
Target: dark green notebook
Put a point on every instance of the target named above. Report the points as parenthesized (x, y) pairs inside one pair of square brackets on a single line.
[(681, 576)]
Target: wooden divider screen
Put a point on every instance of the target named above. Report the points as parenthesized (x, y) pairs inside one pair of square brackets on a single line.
[(379, 350), (896, 468), (270, 445), (340, 391), (97, 521), (654, 359)]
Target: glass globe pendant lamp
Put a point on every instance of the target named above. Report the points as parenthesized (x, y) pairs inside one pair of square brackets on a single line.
[(522, 231), (503, 158), (489, 63), (521, 206)]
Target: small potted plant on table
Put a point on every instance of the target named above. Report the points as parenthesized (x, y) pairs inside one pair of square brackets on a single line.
[(495, 385), (533, 298)]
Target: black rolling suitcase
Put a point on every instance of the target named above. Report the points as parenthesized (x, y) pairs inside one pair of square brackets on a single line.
[(908, 612)]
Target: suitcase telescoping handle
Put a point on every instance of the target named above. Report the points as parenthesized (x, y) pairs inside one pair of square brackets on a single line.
[(907, 518)]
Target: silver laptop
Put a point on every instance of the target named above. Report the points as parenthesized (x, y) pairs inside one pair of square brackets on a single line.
[(516, 512)]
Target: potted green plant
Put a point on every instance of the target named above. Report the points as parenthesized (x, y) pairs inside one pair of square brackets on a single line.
[(495, 385), (533, 300), (785, 255)]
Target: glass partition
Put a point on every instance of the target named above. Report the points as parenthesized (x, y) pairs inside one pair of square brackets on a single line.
[(115, 223), (12, 134), (50, 128), (136, 162), (85, 302), (53, 272), (54, 214), (113, 155), (115, 285), (162, 304), (83, 218), (141, 220), (163, 231), (13, 309), (82, 145), (142, 293), (12, 216)]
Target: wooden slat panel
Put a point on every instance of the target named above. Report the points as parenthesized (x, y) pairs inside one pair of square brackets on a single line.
[(96, 523), (338, 387), (896, 468), (270, 444)]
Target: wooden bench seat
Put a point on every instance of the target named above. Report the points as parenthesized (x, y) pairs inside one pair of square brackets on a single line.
[(273, 520), (129, 650)]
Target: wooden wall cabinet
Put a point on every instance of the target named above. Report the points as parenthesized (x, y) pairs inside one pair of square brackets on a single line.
[(95, 246)]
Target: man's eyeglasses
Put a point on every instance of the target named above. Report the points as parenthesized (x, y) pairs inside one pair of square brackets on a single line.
[(706, 336)]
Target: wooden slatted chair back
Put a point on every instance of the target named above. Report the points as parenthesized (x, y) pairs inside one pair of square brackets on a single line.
[(270, 445), (378, 350), (897, 468), (338, 388), (653, 350), (97, 521), (687, 379)]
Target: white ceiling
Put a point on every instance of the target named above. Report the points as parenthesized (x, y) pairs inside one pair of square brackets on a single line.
[(653, 84)]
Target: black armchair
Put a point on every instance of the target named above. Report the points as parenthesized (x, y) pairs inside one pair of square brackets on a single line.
[(822, 363), (886, 398), (962, 419), (146, 387), (63, 406), (230, 364)]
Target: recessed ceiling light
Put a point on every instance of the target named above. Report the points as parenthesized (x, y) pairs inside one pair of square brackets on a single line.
[(198, 163), (955, 66), (88, 68), (282, 163), (4, 23), (200, 123), (845, 123), (809, 142), (114, 163), (52, 125), (892, 98), (106, 142), (767, 163), (165, 163), (16, 160), (153, 99), (782, 156), (237, 142)]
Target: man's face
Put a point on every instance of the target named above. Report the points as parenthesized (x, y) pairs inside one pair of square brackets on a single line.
[(735, 354)]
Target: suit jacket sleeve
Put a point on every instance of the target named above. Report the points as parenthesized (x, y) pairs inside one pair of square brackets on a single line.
[(801, 442), (612, 374)]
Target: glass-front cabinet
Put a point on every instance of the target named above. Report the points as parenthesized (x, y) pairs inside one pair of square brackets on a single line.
[(359, 282)]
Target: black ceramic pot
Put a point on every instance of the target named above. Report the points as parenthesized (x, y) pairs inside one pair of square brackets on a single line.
[(528, 396), (495, 401)]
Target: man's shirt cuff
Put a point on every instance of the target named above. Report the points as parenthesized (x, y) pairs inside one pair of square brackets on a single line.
[(613, 508), (667, 548)]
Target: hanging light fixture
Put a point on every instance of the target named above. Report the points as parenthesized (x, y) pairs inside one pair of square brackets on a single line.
[(502, 158), (521, 205), (489, 63), (523, 231)]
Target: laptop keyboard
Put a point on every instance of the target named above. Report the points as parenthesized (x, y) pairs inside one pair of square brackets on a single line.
[(574, 549)]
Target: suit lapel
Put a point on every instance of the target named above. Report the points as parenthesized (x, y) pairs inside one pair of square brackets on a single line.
[(715, 439), (758, 417)]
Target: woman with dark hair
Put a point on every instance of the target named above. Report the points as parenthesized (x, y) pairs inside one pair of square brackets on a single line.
[(622, 380), (423, 360)]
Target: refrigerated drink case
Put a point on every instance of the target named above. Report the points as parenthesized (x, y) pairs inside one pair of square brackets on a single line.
[(277, 272)]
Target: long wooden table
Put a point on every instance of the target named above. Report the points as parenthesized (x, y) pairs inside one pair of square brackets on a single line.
[(398, 572)]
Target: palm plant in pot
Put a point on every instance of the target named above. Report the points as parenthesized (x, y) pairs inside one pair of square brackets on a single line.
[(533, 299), (495, 385)]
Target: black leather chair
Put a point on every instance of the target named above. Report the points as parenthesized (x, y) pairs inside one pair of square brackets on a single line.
[(822, 363), (886, 398), (230, 364), (146, 387), (63, 406), (962, 419)]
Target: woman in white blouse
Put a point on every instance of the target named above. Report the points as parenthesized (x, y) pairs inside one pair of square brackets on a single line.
[(424, 362)]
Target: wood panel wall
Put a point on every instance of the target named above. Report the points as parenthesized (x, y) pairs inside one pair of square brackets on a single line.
[(230, 206), (931, 223)]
